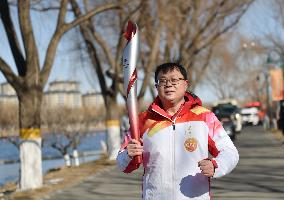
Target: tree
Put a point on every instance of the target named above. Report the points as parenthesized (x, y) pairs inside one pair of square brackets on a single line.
[(233, 72), (169, 30), (104, 54), (193, 27), (65, 127), (31, 79)]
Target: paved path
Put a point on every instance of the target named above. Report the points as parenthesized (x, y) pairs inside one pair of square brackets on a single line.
[(258, 176), (260, 171), (107, 185)]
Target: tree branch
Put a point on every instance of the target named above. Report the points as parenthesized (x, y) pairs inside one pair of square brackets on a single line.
[(51, 50), (152, 60), (61, 15), (9, 74), (88, 36), (32, 58), (206, 25), (61, 29), (201, 73), (105, 49), (12, 37), (214, 37), (93, 12)]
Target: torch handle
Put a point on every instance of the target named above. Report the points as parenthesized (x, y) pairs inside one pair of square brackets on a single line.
[(137, 159)]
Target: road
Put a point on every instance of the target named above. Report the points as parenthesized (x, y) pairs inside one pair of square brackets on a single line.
[(259, 175), (260, 171)]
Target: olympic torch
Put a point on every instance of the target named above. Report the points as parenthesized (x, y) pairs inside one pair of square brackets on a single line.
[(129, 61)]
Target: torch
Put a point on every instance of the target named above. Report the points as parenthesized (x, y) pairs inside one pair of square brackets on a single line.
[(129, 61)]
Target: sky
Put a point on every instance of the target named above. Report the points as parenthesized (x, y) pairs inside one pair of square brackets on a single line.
[(256, 22)]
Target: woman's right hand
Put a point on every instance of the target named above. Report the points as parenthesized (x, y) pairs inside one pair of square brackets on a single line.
[(134, 148)]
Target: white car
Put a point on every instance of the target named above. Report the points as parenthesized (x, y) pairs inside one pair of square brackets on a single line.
[(230, 112), (250, 116)]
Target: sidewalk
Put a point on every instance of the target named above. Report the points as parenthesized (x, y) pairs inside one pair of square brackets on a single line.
[(56, 180), (109, 184)]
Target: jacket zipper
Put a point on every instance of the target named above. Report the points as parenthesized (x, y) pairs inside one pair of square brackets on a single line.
[(174, 154), (173, 144)]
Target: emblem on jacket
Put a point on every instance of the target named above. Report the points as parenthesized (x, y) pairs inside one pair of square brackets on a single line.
[(190, 143)]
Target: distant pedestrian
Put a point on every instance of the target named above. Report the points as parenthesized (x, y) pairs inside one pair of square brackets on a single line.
[(266, 122)]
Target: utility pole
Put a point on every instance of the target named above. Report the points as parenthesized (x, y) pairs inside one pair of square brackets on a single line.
[(266, 75)]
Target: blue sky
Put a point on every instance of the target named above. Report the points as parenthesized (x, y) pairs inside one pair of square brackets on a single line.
[(256, 22)]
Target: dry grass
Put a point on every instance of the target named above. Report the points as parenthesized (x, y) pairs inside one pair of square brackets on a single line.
[(56, 180)]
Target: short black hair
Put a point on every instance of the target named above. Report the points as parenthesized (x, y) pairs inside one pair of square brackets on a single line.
[(166, 67)]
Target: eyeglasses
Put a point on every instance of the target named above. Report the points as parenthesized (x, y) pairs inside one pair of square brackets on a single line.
[(173, 81)]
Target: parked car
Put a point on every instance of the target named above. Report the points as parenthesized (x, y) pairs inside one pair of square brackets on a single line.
[(250, 116), (228, 115), (229, 110), (252, 113)]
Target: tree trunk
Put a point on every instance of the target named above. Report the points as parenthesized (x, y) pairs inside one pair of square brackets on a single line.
[(30, 147), (67, 160), (113, 128)]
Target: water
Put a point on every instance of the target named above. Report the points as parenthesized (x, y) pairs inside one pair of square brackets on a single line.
[(8, 151)]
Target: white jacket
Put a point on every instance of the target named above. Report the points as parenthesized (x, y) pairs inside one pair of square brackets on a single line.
[(172, 148)]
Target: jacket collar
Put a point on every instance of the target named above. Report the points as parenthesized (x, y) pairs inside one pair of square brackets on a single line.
[(191, 100)]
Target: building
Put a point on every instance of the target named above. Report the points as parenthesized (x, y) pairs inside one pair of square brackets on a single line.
[(63, 94), (59, 94), (8, 95), (94, 99), (66, 86)]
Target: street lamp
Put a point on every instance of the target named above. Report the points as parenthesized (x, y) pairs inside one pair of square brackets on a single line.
[(269, 61), (248, 45), (251, 49)]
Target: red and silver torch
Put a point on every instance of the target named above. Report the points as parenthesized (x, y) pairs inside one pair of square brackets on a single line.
[(129, 61)]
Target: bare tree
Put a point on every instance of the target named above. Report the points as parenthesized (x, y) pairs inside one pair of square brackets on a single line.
[(106, 58), (31, 79), (169, 30), (66, 127), (233, 73), (194, 26)]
